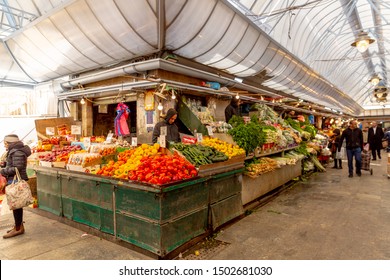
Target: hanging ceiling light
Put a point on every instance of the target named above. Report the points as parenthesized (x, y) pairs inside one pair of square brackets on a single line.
[(82, 101), (160, 106), (375, 80), (173, 94), (362, 42)]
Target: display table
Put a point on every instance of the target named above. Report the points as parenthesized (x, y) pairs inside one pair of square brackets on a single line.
[(157, 219), (254, 188)]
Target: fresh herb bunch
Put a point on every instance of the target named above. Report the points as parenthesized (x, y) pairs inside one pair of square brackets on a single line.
[(236, 121), (247, 136)]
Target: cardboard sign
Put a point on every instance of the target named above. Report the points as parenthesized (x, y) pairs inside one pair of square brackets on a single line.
[(75, 129), (210, 130), (49, 130), (199, 137), (109, 137), (163, 130), (87, 142), (163, 142), (134, 141)]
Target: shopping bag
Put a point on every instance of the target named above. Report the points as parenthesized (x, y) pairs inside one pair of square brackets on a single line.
[(18, 193), (3, 183), (366, 147), (341, 154), (384, 143), (4, 207)]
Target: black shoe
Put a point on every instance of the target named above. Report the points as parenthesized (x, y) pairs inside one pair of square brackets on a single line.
[(373, 159), (334, 167), (350, 175), (380, 157), (359, 174), (340, 167)]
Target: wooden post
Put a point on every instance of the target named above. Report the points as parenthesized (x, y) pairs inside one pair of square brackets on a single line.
[(87, 118)]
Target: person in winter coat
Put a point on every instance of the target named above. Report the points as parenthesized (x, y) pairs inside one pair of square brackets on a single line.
[(335, 139), (232, 109), (354, 139), (17, 154), (172, 130), (375, 136)]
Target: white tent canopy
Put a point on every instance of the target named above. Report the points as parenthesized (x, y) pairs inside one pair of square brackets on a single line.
[(303, 47)]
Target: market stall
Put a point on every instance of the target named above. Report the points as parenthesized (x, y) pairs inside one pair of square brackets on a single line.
[(153, 213)]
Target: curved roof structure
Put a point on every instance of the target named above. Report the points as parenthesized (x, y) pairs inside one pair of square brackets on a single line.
[(303, 47)]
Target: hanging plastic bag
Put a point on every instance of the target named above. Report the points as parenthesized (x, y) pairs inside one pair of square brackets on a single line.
[(366, 147), (4, 207), (341, 154)]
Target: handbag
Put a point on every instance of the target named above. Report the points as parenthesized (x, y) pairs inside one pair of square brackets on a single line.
[(18, 193), (384, 143)]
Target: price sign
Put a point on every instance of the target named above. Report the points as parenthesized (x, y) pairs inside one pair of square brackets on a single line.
[(134, 141), (199, 137), (49, 130), (109, 137), (163, 130), (163, 142), (210, 130), (75, 129), (87, 142)]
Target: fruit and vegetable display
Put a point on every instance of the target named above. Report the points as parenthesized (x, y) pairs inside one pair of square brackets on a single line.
[(199, 154), (128, 160), (162, 169), (59, 154), (260, 166), (228, 149), (148, 164)]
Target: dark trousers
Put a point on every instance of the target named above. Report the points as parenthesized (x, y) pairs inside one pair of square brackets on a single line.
[(375, 151), (336, 161), (18, 217), (357, 153)]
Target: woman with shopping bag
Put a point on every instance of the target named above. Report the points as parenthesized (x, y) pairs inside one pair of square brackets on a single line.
[(16, 161)]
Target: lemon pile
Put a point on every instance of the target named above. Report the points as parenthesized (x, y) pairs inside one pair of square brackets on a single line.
[(228, 149)]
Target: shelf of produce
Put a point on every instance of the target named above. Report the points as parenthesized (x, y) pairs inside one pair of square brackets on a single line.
[(234, 163), (270, 152), (254, 188), (158, 219)]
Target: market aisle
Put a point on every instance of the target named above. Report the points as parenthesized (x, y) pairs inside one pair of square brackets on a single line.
[(328, 217), (48, 239)]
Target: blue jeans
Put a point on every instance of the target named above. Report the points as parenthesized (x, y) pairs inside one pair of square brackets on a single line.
[(357, 152)]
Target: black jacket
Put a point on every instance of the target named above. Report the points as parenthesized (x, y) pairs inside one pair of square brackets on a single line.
[(230, 111), (354, 138), (172, 132), (375, 140), (16, 157)]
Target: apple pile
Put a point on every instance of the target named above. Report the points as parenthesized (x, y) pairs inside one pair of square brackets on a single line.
[(59, 154)]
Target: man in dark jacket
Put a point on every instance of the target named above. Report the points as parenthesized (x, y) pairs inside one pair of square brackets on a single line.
[(172, 130), (354, 140), (375, 136), (17, 154), (232, 109)]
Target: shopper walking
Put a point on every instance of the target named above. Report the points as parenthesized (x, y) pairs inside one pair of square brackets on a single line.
[(354, 145), (16, 157), (375, 136), (335, 139)]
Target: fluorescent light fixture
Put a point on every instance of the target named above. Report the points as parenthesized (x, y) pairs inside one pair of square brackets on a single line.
[(237, 79)]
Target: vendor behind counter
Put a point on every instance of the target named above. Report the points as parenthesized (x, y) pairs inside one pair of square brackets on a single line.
[(172, 129)]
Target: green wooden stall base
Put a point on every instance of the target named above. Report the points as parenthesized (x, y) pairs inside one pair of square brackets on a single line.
[(157, 219)]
